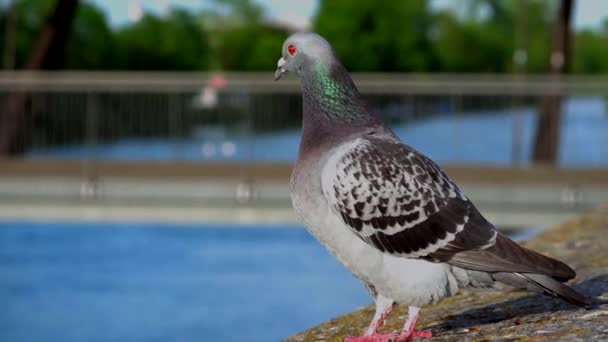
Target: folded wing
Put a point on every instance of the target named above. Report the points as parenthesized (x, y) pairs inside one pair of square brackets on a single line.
[(399, 201), (402, 203)]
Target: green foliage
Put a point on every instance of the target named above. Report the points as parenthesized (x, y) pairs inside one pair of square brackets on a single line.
[(91, 41), (467, 47), (174, 42), (91, 44), (243, 40), (250, 48), (405, 36), (486, 42), (589, 53), (540, 16), (30, 16), (368, 36)]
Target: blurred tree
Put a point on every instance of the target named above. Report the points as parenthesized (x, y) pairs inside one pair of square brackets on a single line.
[(29, 17), (174, 42), (472, 46), (588, 52), (393, 36), (546, 144), (243, 39), (476, 43), (238, 11), (10, 29), (249, 48), (539, 22), (470, 36), (89, 46), (46, 53), (483, 39)]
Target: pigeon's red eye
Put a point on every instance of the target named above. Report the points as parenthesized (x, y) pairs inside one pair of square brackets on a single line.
[(291, 50)]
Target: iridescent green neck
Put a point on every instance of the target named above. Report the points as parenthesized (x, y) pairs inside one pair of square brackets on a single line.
[(329, 93)]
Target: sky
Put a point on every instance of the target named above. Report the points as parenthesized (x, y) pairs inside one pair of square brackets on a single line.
[(588, 13)]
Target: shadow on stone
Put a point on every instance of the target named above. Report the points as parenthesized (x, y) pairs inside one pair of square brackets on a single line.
[(523, 306)]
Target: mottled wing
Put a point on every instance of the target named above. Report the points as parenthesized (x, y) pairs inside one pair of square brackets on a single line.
[(401, 202)]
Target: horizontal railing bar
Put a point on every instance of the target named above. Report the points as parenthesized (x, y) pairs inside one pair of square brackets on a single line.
[(273, 172), (258, 82)]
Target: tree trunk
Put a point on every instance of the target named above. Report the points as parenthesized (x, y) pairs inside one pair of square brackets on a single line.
[(546, 145), (9, 37), (46, 53)]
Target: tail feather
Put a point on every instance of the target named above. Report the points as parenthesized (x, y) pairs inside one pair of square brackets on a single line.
[(554, 288), (507, 256), (508, 262)]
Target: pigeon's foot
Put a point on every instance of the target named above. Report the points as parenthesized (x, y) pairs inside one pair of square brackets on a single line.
[(409, 329), (418, 333), (405, 336), (422, 333), (383, 307), (371, 338), (377, 338)]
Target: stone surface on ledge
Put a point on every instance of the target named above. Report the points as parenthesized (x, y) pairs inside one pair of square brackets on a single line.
[(511, 315)]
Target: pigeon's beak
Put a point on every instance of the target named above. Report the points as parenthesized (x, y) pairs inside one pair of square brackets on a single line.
[(280, 70)]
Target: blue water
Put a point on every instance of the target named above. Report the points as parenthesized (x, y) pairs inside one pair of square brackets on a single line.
[(121, 282), (472, 138)]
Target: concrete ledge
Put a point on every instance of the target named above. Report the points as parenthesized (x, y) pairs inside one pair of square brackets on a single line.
[(509, 315), (256, 201)]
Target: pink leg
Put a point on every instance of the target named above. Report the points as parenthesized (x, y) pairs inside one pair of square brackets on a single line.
[(408, 333), (409, 328), (383, 308)]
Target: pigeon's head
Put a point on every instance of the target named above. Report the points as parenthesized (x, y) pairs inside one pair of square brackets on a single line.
[(301, 50)]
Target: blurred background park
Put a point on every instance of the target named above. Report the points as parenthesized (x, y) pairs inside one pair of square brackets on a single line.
[(145, 151)]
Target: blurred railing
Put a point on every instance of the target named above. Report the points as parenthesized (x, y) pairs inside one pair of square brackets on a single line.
[(262, 82), (189, 140), (196, 117)]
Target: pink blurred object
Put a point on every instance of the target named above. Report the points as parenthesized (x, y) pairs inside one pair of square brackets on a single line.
[(217, 81), (208, 96)]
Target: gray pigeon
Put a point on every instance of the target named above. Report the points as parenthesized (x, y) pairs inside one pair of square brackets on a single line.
[(388, 213)]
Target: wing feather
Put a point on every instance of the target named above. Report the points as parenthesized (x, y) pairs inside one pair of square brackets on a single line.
[(397, 200), (402, 203)]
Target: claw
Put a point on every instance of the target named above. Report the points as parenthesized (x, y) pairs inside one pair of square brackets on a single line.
[(422, 334), (403, 337), (375, 338)]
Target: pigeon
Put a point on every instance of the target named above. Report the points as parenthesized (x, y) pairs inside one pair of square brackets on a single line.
[(387, 212)]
